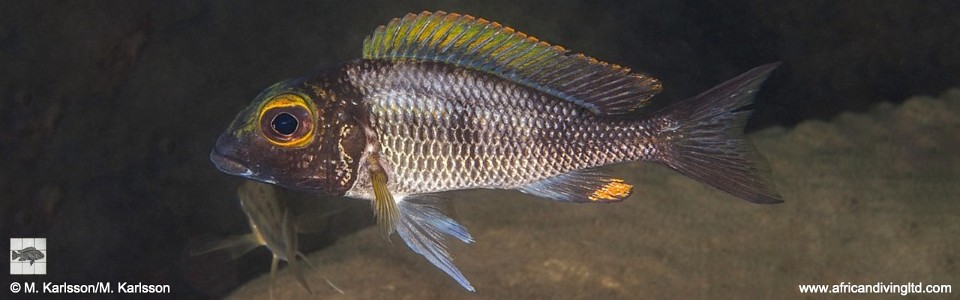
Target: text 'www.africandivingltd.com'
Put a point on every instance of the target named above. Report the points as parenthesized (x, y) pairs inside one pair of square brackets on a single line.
[(876, 288)]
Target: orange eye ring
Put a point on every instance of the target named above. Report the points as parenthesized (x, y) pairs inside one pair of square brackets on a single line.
[(287, 120)]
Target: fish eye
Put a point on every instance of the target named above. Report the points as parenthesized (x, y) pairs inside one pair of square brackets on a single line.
[(287, 121), (284, 124)]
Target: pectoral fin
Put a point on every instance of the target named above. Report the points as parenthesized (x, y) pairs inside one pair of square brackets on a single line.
[(581, 186), (236, 246), (422, 226), (384, 207), (316, 222)]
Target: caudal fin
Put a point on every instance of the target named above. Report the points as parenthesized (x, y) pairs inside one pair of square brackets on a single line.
[(707, 143)]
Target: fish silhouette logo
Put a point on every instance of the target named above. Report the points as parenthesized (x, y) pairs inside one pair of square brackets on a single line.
[(28, 256), (28, 253)]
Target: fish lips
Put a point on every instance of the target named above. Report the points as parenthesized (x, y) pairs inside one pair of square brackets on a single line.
[(221, 158), (228, 165), (224, 157)]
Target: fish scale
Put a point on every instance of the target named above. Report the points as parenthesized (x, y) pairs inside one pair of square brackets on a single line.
[(520, 135)]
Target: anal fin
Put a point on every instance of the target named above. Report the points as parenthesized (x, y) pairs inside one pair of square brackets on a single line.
[(580, 186), (422, 227)]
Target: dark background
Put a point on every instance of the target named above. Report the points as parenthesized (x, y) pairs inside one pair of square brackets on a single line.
[(109, 108)]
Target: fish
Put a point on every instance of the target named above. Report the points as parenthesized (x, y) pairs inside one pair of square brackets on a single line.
[(28, 253), (272, 225), (442, 102)]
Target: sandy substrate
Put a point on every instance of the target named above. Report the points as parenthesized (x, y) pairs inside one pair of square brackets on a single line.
[(869, 197)]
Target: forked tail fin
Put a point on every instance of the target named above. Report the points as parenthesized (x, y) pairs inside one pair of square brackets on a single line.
[(707, 141)]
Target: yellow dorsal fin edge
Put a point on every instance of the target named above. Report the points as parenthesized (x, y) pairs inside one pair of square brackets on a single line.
[(479, 44)]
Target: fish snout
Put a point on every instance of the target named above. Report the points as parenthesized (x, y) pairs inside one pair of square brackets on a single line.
[(223, 156)]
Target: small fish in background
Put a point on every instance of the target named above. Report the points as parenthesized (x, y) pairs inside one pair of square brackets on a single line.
[(28, 253), (271, 225), (442, 101)]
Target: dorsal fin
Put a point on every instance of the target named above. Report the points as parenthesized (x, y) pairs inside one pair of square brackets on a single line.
[(487, 46)]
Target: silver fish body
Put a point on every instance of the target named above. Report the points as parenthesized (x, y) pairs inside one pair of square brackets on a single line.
[(441, 128)]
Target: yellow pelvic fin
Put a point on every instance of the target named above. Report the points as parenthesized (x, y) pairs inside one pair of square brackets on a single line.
[(486, 46), (384, 207)]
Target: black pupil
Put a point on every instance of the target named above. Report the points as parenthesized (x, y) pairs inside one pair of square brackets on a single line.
[(284, 123)]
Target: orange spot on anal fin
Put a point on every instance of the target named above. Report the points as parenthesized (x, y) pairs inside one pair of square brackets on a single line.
[(612, 191), (582, 186)]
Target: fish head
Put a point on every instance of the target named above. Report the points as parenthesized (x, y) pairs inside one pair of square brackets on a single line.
[(298, 133)]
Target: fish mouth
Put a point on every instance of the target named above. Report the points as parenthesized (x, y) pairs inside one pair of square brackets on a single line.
[(228, 165)]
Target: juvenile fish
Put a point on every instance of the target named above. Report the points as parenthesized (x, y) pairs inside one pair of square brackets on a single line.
[(271, 225), (442, 102)]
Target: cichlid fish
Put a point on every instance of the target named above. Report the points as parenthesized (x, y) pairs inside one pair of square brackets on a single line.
[(443, 102), (271, 225), (28, 253)]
